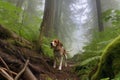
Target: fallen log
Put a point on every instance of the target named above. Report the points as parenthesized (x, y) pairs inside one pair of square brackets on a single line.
[(28, 75)]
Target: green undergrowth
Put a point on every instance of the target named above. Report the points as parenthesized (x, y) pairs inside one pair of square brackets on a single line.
[(46, 47), (27, 26), (100, 40), (93, 49), (109, 62), (83, 68)]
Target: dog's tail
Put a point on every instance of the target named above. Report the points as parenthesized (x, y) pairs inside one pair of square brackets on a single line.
[(65, 55), (69, 50)]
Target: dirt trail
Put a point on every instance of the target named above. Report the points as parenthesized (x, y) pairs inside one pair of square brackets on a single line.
[(66, 74), (41, 66)]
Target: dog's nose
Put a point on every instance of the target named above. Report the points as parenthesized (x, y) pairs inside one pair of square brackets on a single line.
[(51, 43)]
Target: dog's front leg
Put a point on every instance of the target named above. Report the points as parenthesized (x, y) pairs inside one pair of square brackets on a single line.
[(61, 60), (54, 65)]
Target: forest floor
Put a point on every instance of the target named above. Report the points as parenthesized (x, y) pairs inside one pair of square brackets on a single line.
[(14, 54)]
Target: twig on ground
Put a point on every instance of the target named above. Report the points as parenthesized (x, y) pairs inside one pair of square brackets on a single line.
[(14, 73), (21, 72), (5, 74), (5, 65)]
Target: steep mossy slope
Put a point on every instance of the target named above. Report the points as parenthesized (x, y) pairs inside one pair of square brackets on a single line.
[(109, 64)]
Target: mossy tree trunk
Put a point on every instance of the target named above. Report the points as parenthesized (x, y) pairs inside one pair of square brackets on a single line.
[(109, 62)]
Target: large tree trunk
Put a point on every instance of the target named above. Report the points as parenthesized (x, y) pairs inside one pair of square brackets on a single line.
[(19, 3), (57, 15), (99, 12), (47, 25), (48, 18)]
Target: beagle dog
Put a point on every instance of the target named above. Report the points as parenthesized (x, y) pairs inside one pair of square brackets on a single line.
[(59, 53)]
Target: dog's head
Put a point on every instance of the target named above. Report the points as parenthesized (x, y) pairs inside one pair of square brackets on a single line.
[(55, 43)]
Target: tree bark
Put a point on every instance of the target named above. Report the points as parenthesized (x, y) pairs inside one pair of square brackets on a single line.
[(48, 18), (47, 25), (58, 10), (99, 13), (19, 3)]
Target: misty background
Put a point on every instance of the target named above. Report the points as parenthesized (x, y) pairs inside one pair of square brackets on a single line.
[(78, 19)]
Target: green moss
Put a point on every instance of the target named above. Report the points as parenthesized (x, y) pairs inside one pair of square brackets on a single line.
[(109, 61), (47, 50)]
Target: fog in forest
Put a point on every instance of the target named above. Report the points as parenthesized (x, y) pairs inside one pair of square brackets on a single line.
[(81, 18), (77, 19)]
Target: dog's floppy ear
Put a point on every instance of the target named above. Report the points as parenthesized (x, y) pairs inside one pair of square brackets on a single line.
[(57, 41)]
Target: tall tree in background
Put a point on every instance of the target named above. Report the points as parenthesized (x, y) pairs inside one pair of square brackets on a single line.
[(99, 12), (47, 25), (65, 25), (19, 3), (57, 15), (48, 18), (57, 18)]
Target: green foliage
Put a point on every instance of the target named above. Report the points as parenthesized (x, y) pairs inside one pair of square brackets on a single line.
[(105, 79), (83, 68), (89, 60), (99, 41), (117, 77), (24, 24), (8, 14), (46, 47), (113, 16), (109, 62)]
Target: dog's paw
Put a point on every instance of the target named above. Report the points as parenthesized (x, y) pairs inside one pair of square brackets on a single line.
[(54, 66), (60, 68)]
